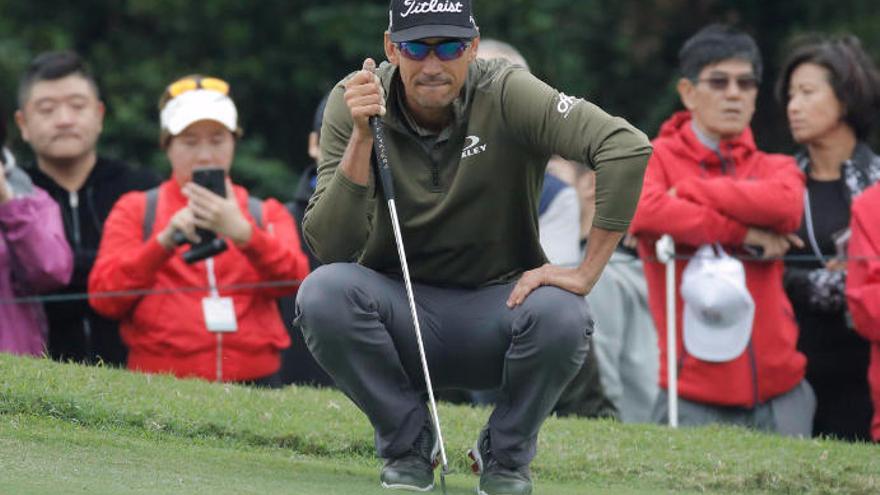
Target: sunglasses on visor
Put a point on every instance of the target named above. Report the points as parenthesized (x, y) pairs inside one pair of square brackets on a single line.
[(181, 86), (445, 50)]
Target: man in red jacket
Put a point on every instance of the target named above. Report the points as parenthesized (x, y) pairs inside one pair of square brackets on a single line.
[(707, 183), (863, 285), (169, 329)]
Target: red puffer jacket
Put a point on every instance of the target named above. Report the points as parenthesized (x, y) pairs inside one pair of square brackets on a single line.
[(863, 285), (165, 331), (717, 200)]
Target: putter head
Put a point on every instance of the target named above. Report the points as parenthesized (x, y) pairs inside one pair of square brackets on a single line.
[(443, 478)]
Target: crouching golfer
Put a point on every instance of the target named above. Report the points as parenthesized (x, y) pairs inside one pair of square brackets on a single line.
[(467, 141)]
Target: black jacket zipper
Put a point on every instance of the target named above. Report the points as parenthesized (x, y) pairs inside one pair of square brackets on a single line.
[(77, 241)]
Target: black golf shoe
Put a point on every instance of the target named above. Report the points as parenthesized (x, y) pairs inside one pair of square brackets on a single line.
[(496, 478), (414, 470)]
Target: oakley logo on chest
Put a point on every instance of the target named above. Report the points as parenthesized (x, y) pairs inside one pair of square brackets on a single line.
[(472, 147), (566, 104), (430, 7)]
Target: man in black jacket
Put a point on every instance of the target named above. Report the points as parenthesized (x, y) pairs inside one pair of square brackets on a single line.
[(60, 115)]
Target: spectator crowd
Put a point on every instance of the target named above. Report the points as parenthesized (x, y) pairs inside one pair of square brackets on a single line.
[(777, 308)]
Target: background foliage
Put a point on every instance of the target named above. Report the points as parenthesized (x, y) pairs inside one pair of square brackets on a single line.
[(281, 56)]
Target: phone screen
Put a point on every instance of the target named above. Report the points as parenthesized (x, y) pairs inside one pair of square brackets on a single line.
[(211, 178), (214, 180), (841, 241)]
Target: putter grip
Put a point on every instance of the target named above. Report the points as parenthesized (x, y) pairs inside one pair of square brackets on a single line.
[(382, 157)]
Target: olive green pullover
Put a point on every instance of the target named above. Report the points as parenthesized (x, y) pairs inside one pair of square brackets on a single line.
[(467, 199)]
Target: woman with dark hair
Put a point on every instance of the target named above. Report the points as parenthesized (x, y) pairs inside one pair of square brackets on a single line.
[(831, 93), (34, 255)]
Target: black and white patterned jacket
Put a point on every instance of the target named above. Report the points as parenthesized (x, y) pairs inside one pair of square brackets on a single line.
[(823, 289)]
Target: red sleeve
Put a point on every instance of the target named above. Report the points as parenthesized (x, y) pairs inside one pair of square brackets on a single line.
[(125, 262), (863, 273), (774, 202), (274, 249), (686, 221)]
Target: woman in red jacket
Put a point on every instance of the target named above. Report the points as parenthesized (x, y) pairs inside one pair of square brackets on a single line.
[(863, 285), (165, 323)]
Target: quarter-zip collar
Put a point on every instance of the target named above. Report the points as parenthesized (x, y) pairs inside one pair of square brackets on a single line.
[(738, 149)]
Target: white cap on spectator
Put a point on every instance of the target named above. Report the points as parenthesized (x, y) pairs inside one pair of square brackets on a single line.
[(718, 309)]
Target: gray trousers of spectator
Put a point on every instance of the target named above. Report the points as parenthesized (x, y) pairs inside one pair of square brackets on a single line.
[(357, 324), (789, 414)]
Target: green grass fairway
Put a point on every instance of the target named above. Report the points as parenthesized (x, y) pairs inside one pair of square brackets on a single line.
[(74, 429), (40, 454)]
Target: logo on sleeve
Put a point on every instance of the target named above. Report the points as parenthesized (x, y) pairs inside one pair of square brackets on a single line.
[(472, 147), (566, 104)]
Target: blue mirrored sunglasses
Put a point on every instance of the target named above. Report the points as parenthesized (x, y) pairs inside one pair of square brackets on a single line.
[(444, 50)]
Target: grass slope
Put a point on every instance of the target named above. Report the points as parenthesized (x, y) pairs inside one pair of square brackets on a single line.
[(109, 431), (43, 455)]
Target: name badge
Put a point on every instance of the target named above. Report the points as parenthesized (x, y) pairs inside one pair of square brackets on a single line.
[(219, 314)]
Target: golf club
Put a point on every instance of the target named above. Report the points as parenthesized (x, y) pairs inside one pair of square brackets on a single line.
[(388, 191)]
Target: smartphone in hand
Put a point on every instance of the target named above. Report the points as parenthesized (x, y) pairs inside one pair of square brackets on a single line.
[(211, 178), (214, 180), (841, 242)]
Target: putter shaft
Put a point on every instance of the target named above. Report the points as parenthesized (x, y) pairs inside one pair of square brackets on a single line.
[(384, 172)]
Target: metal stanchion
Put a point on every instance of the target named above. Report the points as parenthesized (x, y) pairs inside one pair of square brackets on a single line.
[(665, 249)]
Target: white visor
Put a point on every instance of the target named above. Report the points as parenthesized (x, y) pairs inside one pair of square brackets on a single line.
[(200, 104)]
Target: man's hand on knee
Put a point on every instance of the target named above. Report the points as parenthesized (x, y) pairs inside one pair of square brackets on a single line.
[(570, 279)]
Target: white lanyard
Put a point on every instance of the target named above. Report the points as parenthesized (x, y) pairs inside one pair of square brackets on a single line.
[(808, 220), (212, 279), (215, 294)]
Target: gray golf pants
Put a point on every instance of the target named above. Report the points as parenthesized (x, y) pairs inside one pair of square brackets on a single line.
[(789, 414), (357, 324)]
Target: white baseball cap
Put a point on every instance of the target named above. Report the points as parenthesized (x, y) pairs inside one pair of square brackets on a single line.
[(718, 309), (199, 104)]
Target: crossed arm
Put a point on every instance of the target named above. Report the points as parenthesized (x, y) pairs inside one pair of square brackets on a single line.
[(730, 211)]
